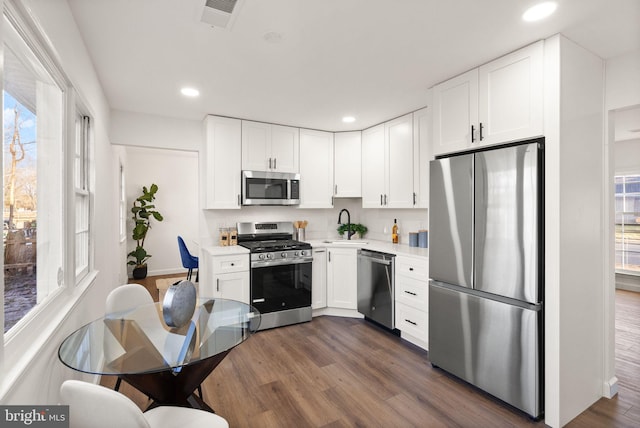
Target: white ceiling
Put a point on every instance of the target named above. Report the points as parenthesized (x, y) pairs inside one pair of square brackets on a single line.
[(373, 59)]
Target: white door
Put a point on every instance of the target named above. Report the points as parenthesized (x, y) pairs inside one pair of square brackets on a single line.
[(511, 96), (222, 163), (373, 167), (342, 278), (399, 157), (347, 164), (284, 148), (316, 169), (256, 146), (455, 110)]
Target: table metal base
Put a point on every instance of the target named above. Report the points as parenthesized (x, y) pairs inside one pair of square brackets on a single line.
[(176, 388)]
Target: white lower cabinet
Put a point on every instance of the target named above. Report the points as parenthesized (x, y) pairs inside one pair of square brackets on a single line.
[(225, 275), (342, 278), (412, 299), (319, 279), (233, 286)]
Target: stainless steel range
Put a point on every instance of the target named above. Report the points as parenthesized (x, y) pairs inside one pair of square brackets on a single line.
[(280, 273)]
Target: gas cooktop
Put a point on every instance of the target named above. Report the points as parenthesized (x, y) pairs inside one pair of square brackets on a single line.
[(275, 245)]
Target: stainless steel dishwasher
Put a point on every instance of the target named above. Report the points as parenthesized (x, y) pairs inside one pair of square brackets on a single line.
[(376, 286)]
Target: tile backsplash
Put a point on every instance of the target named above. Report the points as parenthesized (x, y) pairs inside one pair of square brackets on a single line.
[(322, 222)]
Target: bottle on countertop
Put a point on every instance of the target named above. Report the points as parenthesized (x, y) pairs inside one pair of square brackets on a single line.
[(394, 231)]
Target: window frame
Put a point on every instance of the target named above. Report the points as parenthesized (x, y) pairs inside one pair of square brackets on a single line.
[(39, 323), (623, 213)]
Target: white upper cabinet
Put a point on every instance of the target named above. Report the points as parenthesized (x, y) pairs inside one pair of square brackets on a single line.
[(421, 157), (498, 102), (399, 154), (267, 147), (373, 167), (455, 111), (316, 169), (511, 96), (387, 164), (347, 164), (222, 182), (284, 148)]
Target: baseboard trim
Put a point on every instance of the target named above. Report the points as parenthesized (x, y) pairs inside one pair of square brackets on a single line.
[(611, 387)]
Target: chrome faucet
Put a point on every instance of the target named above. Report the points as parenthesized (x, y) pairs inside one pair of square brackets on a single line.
[(349, 232)]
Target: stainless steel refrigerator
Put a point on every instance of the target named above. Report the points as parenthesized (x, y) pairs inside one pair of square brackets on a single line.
[(486, 265)]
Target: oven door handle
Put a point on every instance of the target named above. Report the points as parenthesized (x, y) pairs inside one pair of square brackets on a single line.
[(280, 262)]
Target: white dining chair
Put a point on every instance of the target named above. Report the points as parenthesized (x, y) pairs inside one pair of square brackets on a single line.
[(126, 297), (94, 406)]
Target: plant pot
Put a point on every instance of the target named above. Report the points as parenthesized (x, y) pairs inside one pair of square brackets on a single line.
[(140, 272)]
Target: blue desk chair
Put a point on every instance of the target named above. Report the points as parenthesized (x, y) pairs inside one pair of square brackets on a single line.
[(188, 261)]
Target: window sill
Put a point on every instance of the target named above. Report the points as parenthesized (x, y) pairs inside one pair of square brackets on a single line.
[(34, 333)]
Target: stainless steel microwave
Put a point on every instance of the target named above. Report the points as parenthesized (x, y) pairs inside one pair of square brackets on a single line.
[(270, 188)]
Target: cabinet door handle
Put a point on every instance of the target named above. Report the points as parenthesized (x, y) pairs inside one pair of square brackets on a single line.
[(410, 269), (481, 131), (385, 199), (238, 199), (409, 292), (233, 264), (414, 198), (217, 284), (329, 256), (473, 130), (410, 322), (269, 163), (381, 199), (274, 163), (335, 190)]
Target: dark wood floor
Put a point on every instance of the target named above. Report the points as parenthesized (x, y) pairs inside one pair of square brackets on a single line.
[(342, 372)]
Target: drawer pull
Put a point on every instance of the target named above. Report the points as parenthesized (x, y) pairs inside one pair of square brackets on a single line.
[(409, 292), (233, 264), (410, 322), (410, 269)]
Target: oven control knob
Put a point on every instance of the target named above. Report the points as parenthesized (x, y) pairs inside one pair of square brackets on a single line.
[(284, 255), (302, 253), (261, 256), (297, 253), (269, 255)]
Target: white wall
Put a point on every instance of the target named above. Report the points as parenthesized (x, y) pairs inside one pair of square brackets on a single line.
[(627, 156), (145, 130), (622, 81), (176, 174), (32, 375), (574, 246)]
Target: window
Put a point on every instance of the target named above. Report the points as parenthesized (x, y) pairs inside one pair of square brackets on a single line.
[(628, 224), (47, 180), (33, 118), (82, 196)]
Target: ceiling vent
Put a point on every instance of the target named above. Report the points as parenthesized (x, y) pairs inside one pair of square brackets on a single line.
[(221, 13)]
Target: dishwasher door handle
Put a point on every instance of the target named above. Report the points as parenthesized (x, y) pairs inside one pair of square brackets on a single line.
[(374, 260)]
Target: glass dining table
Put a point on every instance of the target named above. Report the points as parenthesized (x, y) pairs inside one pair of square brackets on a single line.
[(165, 363)]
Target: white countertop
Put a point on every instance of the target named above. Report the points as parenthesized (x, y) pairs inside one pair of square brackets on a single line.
[(215, 250), (371, 244)]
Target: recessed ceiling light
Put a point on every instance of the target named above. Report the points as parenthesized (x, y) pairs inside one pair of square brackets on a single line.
[(539, 11), (190, 92), (348, 119)]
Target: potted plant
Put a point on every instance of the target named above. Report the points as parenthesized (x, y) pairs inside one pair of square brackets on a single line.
[(143, 210), (358, 228)]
